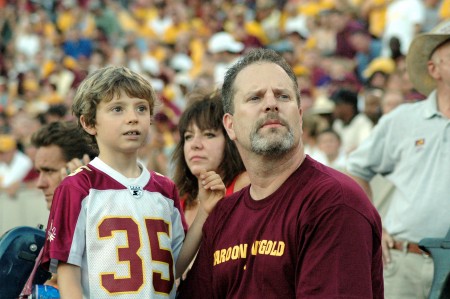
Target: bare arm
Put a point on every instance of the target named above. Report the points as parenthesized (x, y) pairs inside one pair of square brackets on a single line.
[(69, 281), (213, 190)]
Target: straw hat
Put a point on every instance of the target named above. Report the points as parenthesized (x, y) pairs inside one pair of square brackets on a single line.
[(419, 54)]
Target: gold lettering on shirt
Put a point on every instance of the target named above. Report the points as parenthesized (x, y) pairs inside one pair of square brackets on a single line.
[(233, 253), (259, 247)]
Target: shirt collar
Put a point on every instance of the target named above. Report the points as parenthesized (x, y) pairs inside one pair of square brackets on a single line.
[(430, 110)]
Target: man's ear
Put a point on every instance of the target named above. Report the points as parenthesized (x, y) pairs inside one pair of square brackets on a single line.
[(433, 70), (89, 129), (228, 124)]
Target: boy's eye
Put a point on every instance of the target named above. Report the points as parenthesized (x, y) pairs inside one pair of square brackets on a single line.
[(142, 108), (116, 109)]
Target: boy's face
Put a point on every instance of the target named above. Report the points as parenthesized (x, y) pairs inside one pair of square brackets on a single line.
[(122, 126)]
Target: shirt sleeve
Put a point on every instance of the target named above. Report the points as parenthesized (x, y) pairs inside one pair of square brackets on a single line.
[(341, 253), (63, 226), (375, 154)]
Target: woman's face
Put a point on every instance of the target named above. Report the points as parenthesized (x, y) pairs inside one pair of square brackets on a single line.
[(203, 149)]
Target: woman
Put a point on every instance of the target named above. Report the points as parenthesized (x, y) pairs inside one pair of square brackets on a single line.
[(204, 144)]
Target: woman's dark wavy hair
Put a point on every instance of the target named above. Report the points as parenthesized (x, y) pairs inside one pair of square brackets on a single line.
[(206, 112)]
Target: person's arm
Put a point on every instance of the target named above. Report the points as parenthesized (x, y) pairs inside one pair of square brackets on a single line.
[(213, 190), (387, 242), (342, 258), (365, 185), (69, 281)]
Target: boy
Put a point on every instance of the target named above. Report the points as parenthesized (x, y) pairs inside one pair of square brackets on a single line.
[(115, 228)]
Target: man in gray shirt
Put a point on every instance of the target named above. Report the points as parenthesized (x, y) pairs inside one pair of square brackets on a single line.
[(410, 146)]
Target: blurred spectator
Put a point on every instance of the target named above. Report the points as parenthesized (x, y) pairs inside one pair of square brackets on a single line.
[(367, 49), (342, 75), (349, 123), (159, 23), (4, 99), (312, 125), (372, 103), (156, 153), (343, 23), (14, 165), (404, 19), (76, 45), (56, 113), (323, 107), (390, 100), (374, 13), (140, 62), (179, 24), (329, 142), (377, 72), (313, 63), (225, 51), (27, 42), (106, 21), (269, 18), (4, 123)]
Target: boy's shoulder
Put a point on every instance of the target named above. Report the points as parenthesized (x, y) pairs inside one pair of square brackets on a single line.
[(89, 177), (161, 183), (81, 176)]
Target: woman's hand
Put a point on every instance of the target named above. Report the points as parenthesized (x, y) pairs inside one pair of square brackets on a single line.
[(213, 190)]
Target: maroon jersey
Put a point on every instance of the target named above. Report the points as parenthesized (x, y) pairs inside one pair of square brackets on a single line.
[(317, 236)]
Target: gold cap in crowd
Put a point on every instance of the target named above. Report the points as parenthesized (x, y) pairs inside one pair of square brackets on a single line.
[(7, 143)]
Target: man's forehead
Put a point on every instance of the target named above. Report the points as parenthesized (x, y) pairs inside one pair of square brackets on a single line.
[(266, 74), (49, 156)]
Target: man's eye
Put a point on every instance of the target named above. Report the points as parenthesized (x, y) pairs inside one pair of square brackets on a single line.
[(284, 97)]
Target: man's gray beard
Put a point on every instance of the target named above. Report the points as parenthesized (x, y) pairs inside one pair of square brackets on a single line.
[(274, 145)]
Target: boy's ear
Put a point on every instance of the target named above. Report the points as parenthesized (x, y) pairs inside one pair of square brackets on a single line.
[(89, 129)]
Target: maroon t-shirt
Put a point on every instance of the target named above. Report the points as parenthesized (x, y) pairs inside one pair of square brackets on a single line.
[(317, 236)]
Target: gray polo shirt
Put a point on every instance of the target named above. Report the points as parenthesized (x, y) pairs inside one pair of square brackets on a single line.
[(411, 147)]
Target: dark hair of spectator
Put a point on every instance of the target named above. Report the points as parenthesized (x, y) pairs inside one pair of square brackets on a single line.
[(68, 136)]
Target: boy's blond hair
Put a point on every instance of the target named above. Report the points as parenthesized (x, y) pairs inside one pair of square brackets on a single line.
[(106, 84)]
